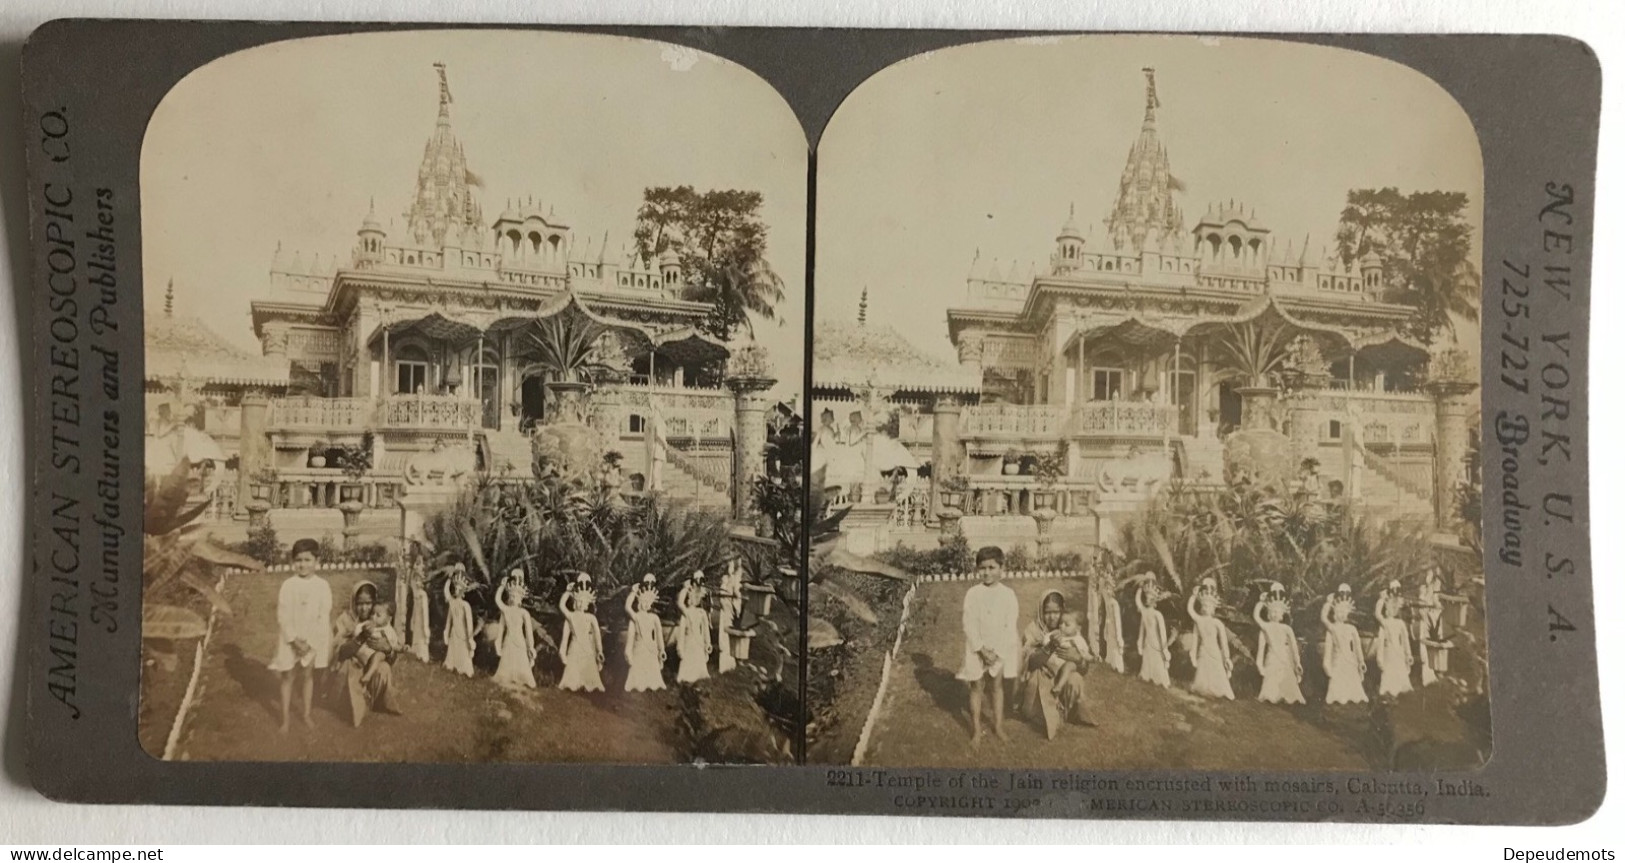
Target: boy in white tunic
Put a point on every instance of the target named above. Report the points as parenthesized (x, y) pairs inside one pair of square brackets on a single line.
[(992, 640), (304, 607)]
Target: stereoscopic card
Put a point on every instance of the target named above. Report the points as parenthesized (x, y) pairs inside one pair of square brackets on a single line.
[(847, 422)]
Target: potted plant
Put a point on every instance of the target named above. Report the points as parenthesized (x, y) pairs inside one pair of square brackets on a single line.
[(356, 461), (1012, 462), (317, 457), (1049, 468), (953, 488), (262, 483)]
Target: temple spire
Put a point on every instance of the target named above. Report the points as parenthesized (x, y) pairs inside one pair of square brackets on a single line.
[(169, 300), (863, 307), (443, 206), (1144, 212)]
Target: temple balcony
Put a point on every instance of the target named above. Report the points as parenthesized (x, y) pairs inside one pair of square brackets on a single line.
[(395, 413), (1105, 419)]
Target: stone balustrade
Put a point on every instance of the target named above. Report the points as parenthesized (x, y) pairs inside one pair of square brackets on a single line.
[(1120, 418), (693, 413), (433, 412), (429, 412), (1013, 421), (301, 412)]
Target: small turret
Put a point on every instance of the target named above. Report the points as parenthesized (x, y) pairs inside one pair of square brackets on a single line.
[(1371, 275), (671, 268), (1069, 244)]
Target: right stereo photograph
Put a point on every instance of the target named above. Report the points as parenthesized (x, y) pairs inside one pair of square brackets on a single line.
[(1145, 413)]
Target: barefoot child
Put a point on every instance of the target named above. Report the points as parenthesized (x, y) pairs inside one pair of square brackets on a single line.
[(1070, 636), (581, 644), (378, 642), (992, 640), (304, 606)]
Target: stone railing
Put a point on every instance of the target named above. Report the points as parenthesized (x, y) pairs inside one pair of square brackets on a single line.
[(429, 412), (1021, 494), (1089, 419), (356, 414), (1013, 421), (688, 413), (1387, 419), (1109, 418), (317, 413)]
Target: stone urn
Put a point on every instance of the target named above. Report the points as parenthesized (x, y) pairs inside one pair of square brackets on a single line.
[(1258, 452), (574, 449), (568, 401)]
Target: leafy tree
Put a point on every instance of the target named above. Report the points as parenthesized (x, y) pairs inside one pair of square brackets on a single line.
[(1425, 244), (720, 242)]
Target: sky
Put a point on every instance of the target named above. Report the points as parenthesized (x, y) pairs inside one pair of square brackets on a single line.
[(290, 142), (985, 147)]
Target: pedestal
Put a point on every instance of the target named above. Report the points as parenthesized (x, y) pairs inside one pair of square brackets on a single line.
[(1045, 518), (259, 513), (352, 522)]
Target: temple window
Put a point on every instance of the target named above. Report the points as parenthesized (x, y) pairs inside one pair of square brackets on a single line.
[(411, 370), (535, 242), (1108, 384), (1334, 430), (634, 424)]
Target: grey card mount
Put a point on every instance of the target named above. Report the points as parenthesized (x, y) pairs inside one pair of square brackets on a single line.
[(826, 421)]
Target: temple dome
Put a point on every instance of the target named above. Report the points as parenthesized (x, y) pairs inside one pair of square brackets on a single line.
[(849, 355)]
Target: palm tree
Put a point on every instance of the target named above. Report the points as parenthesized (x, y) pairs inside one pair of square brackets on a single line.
[(737, 289), (1252, 351)]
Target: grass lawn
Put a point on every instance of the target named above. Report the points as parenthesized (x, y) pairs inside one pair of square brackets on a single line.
[(444, 717), (924, 719)]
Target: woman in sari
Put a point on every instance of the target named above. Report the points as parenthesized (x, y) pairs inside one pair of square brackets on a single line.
[(1052, 677), (364, 683)]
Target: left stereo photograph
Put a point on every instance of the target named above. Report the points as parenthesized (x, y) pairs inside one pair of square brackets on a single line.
[(473, 372)]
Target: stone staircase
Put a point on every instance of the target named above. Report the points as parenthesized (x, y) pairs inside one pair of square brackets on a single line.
[(686, 479), (1385, 497)]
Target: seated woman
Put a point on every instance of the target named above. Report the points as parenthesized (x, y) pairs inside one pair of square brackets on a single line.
[(1054, 656), (363, 658)]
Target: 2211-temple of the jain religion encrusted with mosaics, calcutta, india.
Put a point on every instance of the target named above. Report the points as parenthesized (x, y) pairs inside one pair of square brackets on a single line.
[(1117, 364), (424, 347)]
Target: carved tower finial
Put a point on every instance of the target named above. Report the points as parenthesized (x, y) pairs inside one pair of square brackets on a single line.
[(1151, 103), (863, 307), (169, 300)]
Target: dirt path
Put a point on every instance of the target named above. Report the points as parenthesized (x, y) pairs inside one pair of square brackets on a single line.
[(924, 720), (444, 717)]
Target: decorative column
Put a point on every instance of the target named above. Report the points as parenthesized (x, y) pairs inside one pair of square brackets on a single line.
[(945, 447), (1452, 405), (749, 376), (254, 446)]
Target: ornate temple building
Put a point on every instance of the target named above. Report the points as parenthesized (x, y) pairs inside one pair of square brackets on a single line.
[(1138, 350), (446, 335)]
